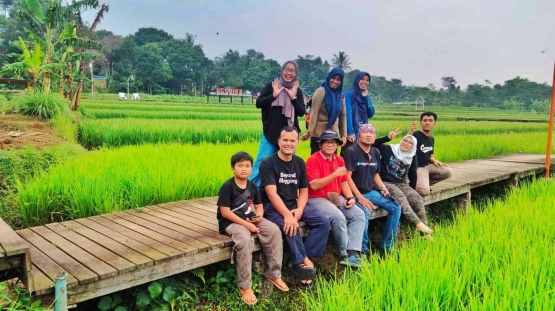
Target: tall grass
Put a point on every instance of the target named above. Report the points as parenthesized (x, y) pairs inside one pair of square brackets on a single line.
[(43, 105), (501, 259)]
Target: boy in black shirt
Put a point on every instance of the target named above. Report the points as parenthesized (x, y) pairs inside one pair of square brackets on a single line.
[(284, 187), (430, 170), (237, 219)]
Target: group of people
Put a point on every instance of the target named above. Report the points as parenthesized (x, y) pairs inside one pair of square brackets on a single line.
[(272, 195)]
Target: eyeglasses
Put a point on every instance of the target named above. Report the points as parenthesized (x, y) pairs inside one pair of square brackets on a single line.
[(408, 141), (287, 70)]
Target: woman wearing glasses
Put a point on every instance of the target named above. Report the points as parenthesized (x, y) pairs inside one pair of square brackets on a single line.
[(281, 103), (328, 110), (396, 162)]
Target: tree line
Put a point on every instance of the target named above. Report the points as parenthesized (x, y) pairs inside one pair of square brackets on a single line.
[(59, 48)]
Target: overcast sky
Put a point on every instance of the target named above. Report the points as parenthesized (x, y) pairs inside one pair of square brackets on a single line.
[(417, 41)]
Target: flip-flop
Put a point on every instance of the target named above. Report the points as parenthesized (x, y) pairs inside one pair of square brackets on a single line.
[(280, 285), (306, 286), (303, 272), (248, 292)]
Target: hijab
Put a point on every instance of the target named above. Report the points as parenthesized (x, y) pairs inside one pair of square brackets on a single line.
[(359, 104), (332, 98), (405, 157), (283, 100)]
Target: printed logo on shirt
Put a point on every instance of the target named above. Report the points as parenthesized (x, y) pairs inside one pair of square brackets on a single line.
[(367, 164), (287, 179), (426, 149)]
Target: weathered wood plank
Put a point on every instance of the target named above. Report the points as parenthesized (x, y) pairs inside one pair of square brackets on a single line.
[(102, 269), (136, 259), (10, 242), (148, 274), (183, 204), (147, 232), (42, 284), (188, 233), (131, 243), (193, 211), (92, 248), (79, 271), (184, 221), (49, 267)]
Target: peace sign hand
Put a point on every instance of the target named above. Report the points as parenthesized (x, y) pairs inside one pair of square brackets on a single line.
[(393, 133)]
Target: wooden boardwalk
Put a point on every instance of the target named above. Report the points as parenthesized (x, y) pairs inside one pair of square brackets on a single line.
[(108, 253)]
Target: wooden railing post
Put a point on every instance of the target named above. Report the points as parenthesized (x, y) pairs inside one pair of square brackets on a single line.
[(464, 203)]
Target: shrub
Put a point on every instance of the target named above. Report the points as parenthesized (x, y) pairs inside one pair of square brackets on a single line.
[(43, 105)]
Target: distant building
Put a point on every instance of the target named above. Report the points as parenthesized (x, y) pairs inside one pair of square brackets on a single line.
[(101, 81)]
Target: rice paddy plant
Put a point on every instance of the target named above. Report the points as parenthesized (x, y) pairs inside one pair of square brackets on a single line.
[(185, 115), (500, 259), (163, 107), (124, 132), (106, 180)]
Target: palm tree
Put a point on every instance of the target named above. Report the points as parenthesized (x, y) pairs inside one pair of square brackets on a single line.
[(342, 61)]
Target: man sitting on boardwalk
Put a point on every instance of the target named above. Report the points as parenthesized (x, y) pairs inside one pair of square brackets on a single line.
[(430, 170), (237, 219), (363, 165), (327, 177), (284, 187)]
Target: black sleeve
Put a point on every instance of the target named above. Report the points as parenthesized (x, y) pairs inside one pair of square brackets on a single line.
[(350, 161), (224, 196), (380, 141), (299, 104), (303, 179), (266, 172), (266, 97), (379, 164), (412, 173)]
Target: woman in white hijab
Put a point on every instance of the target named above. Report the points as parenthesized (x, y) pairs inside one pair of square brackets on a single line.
[(396, 163)]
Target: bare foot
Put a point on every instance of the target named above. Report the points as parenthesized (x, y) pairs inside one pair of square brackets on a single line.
[(248, 297), (423, 228), (308, 263)]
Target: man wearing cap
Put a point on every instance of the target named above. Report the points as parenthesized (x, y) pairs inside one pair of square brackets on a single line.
[(362, 162), (329, 192)]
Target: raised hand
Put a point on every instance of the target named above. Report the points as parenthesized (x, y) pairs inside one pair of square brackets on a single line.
[(394, 133), (277, 87), (293, 91)]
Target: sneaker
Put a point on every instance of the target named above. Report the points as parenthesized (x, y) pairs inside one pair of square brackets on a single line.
[(351, 261)]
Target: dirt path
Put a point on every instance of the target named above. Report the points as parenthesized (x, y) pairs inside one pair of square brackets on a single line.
[(18, 132)]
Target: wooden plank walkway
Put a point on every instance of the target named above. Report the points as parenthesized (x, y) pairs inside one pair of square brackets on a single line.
[(111, 252)]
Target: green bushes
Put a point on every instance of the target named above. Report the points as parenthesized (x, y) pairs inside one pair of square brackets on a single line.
[(43, 105)]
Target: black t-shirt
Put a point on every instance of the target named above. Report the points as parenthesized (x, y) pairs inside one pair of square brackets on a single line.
[(288, 177), (424, 148), (394, 170), (364, 166), (238, 200)]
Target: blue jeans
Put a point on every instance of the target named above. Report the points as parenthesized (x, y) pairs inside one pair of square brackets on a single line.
[(265, 150), (391, 223), (347, 224), (316, 240)]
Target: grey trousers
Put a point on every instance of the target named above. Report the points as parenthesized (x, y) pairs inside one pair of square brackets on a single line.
[(429, 175), (412, 205), (347, 224), (272, 246)]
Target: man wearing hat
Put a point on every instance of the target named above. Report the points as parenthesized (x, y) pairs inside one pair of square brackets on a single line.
[(363, 165), (329, 192)]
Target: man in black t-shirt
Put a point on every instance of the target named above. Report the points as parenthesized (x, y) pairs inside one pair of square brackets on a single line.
[(430, 170), (284, 187), (363, 166)]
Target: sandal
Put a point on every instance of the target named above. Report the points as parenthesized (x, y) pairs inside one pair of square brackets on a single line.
[(306, 286), (250, 294), (302, 272), (280, 284)]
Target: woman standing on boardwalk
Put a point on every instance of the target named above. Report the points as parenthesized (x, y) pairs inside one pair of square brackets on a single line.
[(358, 106), (397, 162), (328, 110), (281, 103)]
